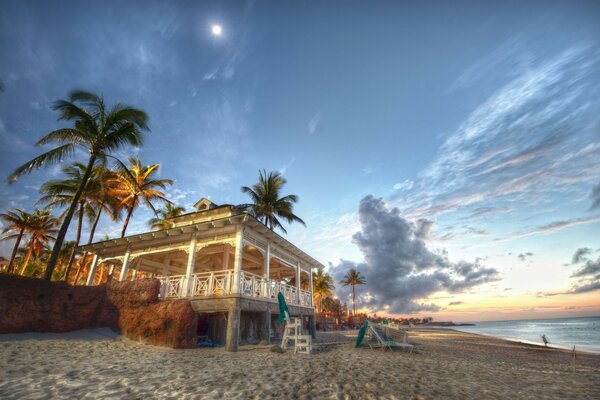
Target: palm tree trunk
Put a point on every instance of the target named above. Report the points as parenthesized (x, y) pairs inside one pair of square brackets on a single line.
[(14, 253), (60, 238), (353, 301), (78, 237), (27, 257), (93, 230), (85, 254), (129, 212)]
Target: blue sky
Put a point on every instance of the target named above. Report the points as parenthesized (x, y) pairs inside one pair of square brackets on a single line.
[(481, 119)]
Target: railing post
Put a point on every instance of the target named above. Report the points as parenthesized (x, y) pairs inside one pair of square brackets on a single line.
[(210, 287)]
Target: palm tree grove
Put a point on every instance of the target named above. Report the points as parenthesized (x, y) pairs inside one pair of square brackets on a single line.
[(95, 184)]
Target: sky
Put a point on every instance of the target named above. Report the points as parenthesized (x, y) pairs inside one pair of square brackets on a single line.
[(448, 150)]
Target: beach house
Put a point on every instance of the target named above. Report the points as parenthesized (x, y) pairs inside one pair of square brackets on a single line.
[(228, 264)]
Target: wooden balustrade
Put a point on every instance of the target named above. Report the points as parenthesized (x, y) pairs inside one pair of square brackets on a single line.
[(218, 283)]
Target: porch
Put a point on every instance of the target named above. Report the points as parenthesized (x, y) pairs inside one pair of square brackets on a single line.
[(223, 283)]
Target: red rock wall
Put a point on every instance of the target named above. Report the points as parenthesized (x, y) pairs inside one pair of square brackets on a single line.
[(131, 308)]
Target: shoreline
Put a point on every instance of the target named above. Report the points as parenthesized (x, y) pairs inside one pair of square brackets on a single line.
[(579, 350)]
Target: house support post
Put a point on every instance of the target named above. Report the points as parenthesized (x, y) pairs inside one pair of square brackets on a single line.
[(266, 330), (312, 326), (232, 339)]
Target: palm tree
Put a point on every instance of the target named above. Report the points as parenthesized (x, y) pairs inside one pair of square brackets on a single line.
[(135, 185), (353, 278), (323, 286), (98, 131), (60, 192), (18, 221), (161, 221), (41, 229), (267, 205)]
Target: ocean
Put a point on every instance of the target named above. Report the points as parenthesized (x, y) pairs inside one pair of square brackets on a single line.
[(584, 332)]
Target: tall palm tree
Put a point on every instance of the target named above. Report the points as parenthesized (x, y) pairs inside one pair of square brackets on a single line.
[(42, 231), (323, 286), (353, 278), (18, 221), (267, 205), (60, 192), (95, 129), (161, 221), (136, 185)]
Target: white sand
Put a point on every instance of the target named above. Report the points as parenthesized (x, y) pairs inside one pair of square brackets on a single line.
[(445, 364)]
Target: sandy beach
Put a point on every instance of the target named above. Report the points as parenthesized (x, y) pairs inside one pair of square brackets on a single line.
[(445, 364)]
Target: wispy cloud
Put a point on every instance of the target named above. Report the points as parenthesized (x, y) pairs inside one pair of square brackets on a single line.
[(314, 123), (525, 139), (551, 227)]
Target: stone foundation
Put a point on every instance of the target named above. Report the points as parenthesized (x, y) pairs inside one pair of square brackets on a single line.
[(131, 308)]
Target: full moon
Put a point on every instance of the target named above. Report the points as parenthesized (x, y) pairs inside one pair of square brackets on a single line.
[(216, 30)]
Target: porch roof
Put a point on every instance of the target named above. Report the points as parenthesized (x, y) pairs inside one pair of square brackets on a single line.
[(240, 219)]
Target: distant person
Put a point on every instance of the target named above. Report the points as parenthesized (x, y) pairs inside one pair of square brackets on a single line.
[(545, 340)]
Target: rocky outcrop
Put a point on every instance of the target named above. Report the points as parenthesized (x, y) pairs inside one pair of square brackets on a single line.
[(131, 308)]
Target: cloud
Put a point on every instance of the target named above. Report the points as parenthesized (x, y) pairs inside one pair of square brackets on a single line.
[(521, 144), (456, 303), (398, 267), (283, 169), (523, 256), (407, 184), (314, 123), (588, 274), (551, 227), (580, 254)]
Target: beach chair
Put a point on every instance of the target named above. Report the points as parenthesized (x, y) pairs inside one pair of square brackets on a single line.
[(376, 332)]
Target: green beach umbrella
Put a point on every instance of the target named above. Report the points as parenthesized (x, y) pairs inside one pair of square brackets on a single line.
[(283, 308), (361, 333)]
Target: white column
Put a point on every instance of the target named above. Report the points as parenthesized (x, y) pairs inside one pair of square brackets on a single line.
[(166, 268), (125, 266), (310, 283), (90, 279), (266, 289), (225, 257), (267, 261), (298, 283), (237, 263), (191, 264), (165, 285), (134, 274)]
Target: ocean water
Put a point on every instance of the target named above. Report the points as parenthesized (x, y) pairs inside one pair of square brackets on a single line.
[(584, 333)]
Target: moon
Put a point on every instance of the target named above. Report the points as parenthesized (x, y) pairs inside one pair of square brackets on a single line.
[(216, 30)]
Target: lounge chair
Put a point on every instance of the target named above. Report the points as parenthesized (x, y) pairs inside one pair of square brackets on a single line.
[(377, 333)]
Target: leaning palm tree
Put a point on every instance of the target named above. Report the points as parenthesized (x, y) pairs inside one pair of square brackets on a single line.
[(267, 205), (161, 221), (136, 185), (60, 192), (323, 286), (18, 221), (95, 129), (42, 231), (353, 278)]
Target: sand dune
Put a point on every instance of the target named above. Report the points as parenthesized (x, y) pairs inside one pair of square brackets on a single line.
[(446, 364)]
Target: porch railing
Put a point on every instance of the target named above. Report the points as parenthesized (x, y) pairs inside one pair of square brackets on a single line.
[(217, 283)]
